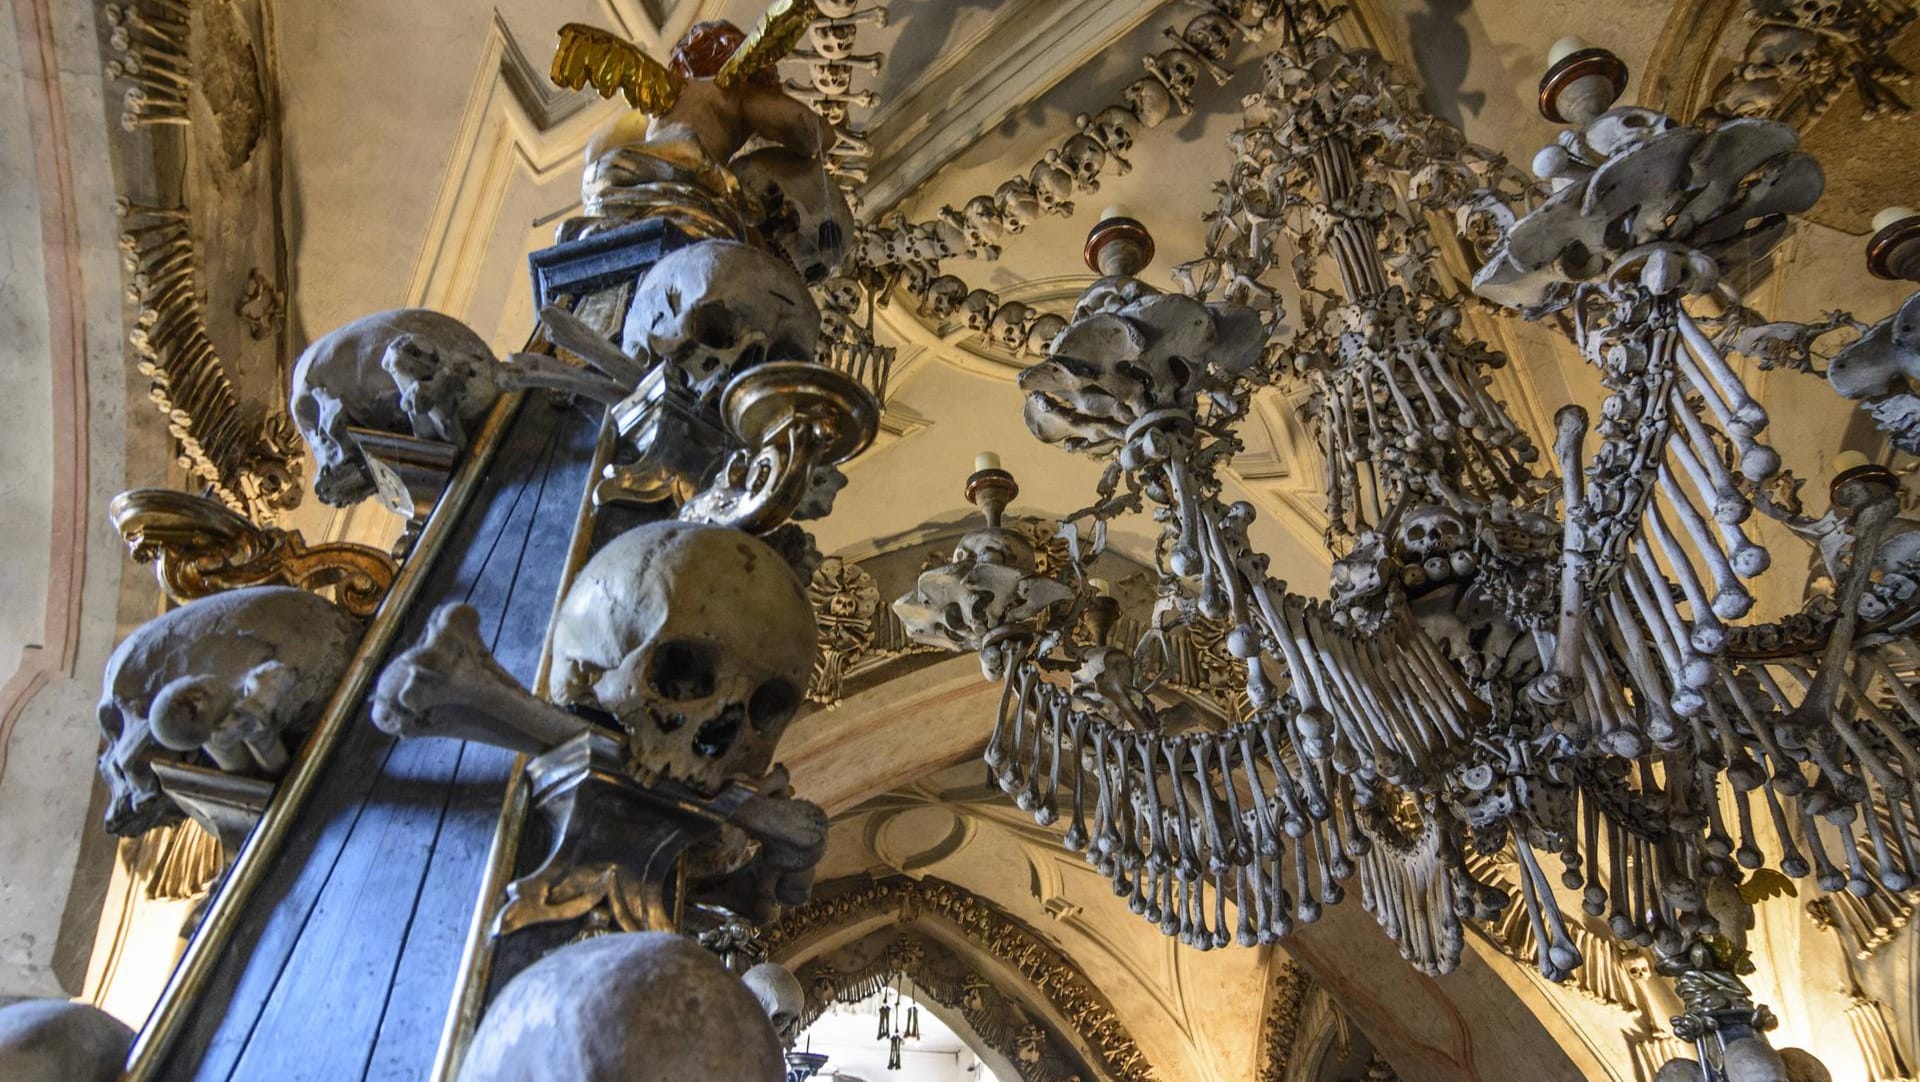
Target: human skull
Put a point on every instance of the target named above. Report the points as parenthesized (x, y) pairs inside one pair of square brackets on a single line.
[(843, 294), (833, 40), (944, 297), (1430, 530), (834, 112), (1180, 70), (1052, 183), (632, 1007), (1084, 157), (914, 278), (408, 371), (1017, 203), (979, 306), (698, 640), (1359, 575), (831, 79), (804, 215), (900, 244), (983, 225), (1808, 13), (58, 1040), (779, 992), (232, 675), (717, 308), (950, 232), (1042, 331), (1210, 34), (1782, 50), (1149, 100), (1008, 328), (1115, 126)]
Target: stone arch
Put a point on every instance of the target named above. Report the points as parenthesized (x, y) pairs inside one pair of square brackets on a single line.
[(905, 714), (1000, 984)]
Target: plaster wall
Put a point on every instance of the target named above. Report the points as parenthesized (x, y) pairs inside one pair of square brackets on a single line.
[(64, 433)]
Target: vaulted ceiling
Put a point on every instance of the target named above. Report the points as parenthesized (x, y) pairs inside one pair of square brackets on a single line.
[(424, 154)]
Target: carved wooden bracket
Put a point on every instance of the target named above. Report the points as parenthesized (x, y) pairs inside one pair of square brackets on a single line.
[(199, 547)]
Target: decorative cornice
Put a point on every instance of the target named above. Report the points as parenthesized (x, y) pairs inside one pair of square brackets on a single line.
[(940, 975), (207, 76), (948, 110), (987, 927)]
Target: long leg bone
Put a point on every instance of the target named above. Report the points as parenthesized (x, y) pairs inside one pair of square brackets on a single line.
[(1560, 681), (448, 684)]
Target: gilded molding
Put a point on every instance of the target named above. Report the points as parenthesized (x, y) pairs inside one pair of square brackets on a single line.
[(995, 933), (849, 975), (198, 547)]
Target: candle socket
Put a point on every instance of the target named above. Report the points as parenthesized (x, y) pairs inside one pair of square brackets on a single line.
[(1100, 615), (1118, 247), (1855, 489), (1893, 252), (1581, 86), (991, 491)]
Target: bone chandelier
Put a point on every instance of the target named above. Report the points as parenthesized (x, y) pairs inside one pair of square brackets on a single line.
[(1549, 655), (1524, 651)]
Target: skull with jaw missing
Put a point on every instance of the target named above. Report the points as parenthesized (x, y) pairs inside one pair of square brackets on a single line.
[(698, 640)]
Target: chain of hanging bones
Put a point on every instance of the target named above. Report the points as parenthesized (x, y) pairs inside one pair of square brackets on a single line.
[(1373, 746)]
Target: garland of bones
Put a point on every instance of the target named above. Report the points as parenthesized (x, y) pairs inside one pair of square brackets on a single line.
[(1470, 685)]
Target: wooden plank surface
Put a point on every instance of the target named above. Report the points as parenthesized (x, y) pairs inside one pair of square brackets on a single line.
[(344, 965)]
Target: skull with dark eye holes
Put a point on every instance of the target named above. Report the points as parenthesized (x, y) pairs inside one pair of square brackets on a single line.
[(698, 640)]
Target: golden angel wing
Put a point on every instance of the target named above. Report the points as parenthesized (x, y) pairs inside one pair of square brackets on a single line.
[(777, 32), (590, 56)]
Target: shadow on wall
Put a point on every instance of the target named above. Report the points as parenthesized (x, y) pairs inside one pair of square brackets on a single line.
[(924, 30), (1443, 52)]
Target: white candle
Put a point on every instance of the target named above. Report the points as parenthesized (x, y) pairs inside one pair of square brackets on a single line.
[(1118, 210), (986, 460), (1847, 460), (1564, 48), (1100, 587), (1891, 215)]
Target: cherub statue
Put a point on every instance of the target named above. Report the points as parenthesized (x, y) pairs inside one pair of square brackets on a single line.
[(668, 156)]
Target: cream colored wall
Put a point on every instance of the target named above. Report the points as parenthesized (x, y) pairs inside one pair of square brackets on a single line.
[(63, 456)]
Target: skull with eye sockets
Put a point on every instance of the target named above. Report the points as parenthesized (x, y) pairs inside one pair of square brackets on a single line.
[(714, 309), (698, 640)]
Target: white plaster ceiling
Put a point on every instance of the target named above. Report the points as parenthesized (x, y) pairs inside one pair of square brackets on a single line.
[(423, 142)]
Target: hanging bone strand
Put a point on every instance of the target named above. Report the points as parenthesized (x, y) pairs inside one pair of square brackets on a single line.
[(1501, 666)]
